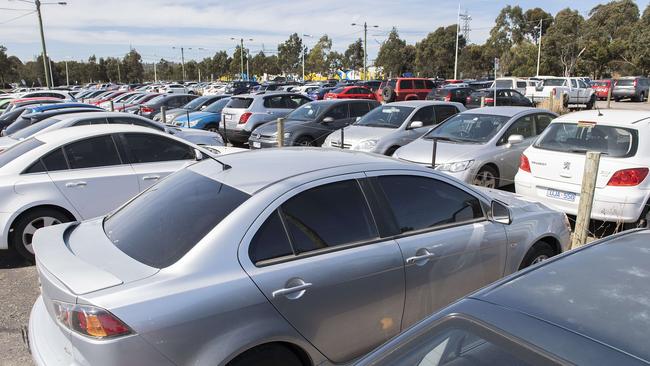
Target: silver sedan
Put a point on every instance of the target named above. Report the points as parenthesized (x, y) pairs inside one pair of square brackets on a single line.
[(480, 146), (316, 261), (391, 126)]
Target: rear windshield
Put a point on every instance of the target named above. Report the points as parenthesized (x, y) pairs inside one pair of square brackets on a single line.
[(36, 127), (503, 83), (625, 82), (17, 150), (386, 116), (467, 127), (553, 82), (598, 83), (575, 138), (165, 222), (241, 103)]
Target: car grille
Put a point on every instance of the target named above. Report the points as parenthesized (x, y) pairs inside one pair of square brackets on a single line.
[(338, 145)]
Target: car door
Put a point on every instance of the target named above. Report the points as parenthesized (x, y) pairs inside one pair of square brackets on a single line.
[(153, 157), (317, 255), (95, 179), (448, 246), (508, 155)]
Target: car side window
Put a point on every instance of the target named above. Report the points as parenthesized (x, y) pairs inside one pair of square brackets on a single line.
[(270, 241), (521, 84), (92, 152), (406, 84), (541, 122), (419, 84), (420, 203), (126, 120), (90, 121), (574, 83), (338, 112), (299, 100), (429, 84), (274, 102), (582, 84), (315, 217), (523, 126), (149, 148), (425, 115), (53, 161), (444, 111), (358, 109)]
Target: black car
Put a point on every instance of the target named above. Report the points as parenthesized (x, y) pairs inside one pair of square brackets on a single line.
[(311, 123), (450, 94), (370, 84), (505, 97), (32, 118), (586, 307), (241, 87), (320, 93), (170, 101)]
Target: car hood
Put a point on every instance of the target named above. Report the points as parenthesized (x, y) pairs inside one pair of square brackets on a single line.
[(419, 151), (354, 134)]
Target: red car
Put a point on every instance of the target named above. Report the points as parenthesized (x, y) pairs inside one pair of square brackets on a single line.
[(601, 87), (109, 97), (351, 92)]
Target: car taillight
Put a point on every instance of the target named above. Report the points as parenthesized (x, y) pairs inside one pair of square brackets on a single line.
[(524, 163), (244, 117), (448, 97), (90, 321), (146, 109), (635, 81), (488, 101), (628, 177)]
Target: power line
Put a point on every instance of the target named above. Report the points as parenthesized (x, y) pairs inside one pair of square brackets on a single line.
[(18, 17)]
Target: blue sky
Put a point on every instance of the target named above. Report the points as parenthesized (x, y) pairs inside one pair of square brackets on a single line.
[(153, 27)]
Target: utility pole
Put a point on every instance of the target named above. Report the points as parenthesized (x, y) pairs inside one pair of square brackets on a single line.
[(539, 45), (51, 77), (67, 78), (40, 24), (365, 47), (155, 72), (119, 74), (183, 62), (241, 52), (457, 36)]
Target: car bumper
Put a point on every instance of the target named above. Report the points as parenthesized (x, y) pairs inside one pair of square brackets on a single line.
[(613, 204), (238, 135), (262, 143), (624, 93), (51, 345)]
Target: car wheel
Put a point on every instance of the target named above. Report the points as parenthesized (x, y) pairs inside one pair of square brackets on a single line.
[(212, 127), (391, 150), (304, 141), (540, 252), (267, 355), (487, 177), (25, 227), (641, 97)]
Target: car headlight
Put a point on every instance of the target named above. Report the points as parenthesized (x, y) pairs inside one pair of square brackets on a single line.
[(366, 145), (287, 135), (455, 167), (192, 123)]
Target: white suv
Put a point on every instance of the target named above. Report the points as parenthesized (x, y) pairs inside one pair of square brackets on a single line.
[(551, 170)]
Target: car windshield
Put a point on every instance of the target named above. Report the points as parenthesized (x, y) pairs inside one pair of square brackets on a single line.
[(385, 116), (36, 127), (17, 150), (503, 83), (625, 82), (585, 136), (553, 82), (196, 103), (240, 103), (307, 112), (156, 99), (337, 90), (217, 106), (147, 231), (468, 127)]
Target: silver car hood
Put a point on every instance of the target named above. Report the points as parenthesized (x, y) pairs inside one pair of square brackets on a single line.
[(355, 134), (419, 151)]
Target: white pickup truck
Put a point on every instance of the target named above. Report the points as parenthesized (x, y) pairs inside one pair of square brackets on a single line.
[(574, 90)]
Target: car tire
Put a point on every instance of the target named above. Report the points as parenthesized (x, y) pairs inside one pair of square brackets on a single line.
[(25, 226), (212, 127), (487, 177), (641, 98), (539, 252), (391, 150), (304, 141), (267, 355), (388, 94)]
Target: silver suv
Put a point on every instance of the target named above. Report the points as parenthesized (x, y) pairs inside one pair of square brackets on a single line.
[(244, 113), (635, 88)]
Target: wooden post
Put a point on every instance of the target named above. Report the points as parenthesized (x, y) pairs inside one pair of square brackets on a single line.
[(609, 95), (280, 132), (482, 102), (550, 101), (112, 106), (590, 175), (434, 152), (163, 115)]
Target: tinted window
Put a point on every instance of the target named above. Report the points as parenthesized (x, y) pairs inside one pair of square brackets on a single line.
[(424, 115), (36, 127), (542, 121), (521, 84), (523, 126), (421, 203), (92, 152), (358, 109), (90, 121), (275, 102), (579, 138), (330, 215), (444, 111), (419, 84), (126, 120), (293, 102), (406, 84), (338, 112), (55, 161), (429, 84), (148, 148), (270, 241), (150, 232), (242, 103)]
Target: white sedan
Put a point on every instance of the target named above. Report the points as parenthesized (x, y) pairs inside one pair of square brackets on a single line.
[(551, 170), (79, 173)]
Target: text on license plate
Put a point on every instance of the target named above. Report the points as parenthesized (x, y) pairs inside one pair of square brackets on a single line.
[(257, 145), (561, 195), (228, 117)]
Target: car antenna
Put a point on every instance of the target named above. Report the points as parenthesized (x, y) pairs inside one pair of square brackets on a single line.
[(199, 156), (599, 114)]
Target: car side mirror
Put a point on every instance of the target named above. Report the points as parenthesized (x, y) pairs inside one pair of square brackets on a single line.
[(500, 213), (198, 155), (356, 119), (416, 124), (515, 139), (203, 107), (328, 119)]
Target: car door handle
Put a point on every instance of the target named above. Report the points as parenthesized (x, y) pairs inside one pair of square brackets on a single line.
[(291, 290), (151, 177), (417, 258), (76, 184)]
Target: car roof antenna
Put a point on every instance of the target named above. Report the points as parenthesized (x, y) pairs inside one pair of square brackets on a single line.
[(200, 156), (599, 114)]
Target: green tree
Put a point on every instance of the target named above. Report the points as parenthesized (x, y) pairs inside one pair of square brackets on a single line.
[(520, 60), (316, 61), (392, 56), (289, 53), (435, 54), (236, 62), (353, 56), (475, 62), (334, 62), (564, 43), (531, 23), (508, 30), (133, 69)]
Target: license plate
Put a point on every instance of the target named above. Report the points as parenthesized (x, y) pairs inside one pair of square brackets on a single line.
[(228, 117), (257, 145), (561, 195)]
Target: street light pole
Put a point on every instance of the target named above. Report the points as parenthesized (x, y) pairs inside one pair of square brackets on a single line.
[(241, 53), (457, 37), (539, 45), (365, 47), (40, 25)]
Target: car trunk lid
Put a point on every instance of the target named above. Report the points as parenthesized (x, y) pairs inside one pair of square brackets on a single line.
[(566, 167)]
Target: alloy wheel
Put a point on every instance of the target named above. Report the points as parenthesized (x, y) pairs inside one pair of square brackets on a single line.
[(30, 229), (485, 179)]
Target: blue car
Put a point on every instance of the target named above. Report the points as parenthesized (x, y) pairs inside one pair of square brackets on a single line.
[(207, 119), (51, 107)]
